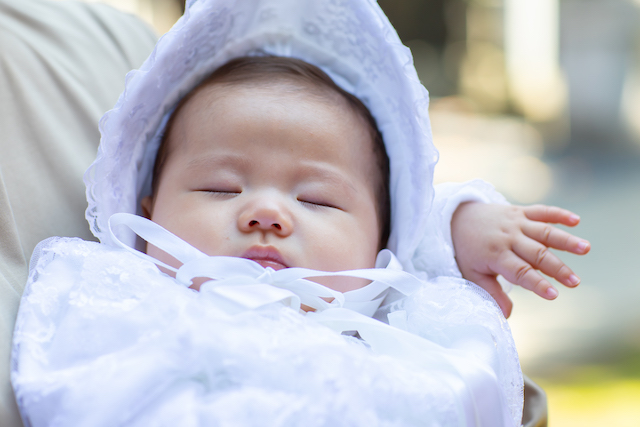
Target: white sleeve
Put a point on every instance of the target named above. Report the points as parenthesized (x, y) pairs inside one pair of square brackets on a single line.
[(435, 254)]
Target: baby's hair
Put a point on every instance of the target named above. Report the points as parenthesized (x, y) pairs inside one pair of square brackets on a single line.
[(275, 70)]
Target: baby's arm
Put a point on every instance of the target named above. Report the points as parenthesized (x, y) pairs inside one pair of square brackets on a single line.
[(514, 241)]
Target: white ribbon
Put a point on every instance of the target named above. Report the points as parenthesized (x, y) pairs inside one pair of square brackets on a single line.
[(231, 275), (240, 284)]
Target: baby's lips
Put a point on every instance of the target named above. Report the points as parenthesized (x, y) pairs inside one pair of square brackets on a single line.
[(268, 263), (266, 256)]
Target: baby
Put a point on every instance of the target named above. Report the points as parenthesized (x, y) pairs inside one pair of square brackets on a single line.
[(268, 159), (262, 156), (243, 116)]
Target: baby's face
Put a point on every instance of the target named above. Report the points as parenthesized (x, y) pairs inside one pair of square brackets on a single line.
[(285, 179)]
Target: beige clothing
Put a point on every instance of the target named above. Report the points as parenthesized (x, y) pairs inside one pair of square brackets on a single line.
[(62, 65), (535, 405)]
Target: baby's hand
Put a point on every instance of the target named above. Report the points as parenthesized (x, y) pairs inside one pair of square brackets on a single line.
[(514, 241)]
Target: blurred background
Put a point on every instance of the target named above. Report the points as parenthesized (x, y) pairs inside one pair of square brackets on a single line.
[(542, 99)]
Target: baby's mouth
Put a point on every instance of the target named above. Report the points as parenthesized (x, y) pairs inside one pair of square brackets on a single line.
[(266, 256)]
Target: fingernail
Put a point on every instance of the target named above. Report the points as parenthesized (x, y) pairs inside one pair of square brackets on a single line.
[(552, 292), (574, 280), (574, 218), (582, 245)]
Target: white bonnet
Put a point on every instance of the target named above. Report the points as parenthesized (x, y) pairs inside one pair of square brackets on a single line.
[(351, 40)]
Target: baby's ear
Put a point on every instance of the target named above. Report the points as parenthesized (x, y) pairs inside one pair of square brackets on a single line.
[(147, 206)]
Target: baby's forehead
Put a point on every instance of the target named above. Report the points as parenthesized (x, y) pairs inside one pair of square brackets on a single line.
[(276, 87), (287, 78), (281, 100), (220, 98)]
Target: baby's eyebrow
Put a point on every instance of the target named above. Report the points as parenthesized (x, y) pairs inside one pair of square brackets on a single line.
[(228, 161), (313, 171)]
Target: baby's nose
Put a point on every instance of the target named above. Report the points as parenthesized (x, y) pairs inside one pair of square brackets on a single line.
[(266, 216)]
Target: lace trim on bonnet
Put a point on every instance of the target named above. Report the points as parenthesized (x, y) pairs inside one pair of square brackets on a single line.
[(352, 41)]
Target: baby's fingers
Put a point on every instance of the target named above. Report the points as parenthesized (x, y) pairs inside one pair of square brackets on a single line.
[(541, 258), (521, 273), (552, 214), (553, 237)]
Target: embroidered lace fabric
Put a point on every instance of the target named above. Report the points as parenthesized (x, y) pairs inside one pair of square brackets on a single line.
[(104, 338)]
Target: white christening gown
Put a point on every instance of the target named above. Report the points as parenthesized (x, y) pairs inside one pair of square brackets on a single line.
[(103, 338)]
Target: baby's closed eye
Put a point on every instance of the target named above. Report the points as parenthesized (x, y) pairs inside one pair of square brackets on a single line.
[(221, 192), (317, 203)]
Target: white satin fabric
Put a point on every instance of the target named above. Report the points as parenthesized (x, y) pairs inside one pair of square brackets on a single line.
[(103, 338)]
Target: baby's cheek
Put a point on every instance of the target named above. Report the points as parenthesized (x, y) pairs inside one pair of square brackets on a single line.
[(347, 252), (363, 246)]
